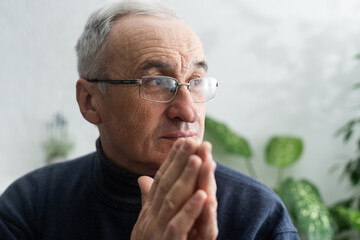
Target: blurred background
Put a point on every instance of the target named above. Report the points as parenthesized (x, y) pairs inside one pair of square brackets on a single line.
[(284, 67)]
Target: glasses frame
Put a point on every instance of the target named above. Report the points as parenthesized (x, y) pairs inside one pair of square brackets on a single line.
[(139, 83)]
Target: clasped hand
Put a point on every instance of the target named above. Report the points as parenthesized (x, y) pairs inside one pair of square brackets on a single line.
[(180, 202)]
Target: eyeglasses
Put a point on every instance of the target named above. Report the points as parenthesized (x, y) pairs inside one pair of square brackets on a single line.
[(163, 89)]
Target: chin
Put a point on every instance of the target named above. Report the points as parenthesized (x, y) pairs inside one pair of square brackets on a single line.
[(164, 145), (154, 164)]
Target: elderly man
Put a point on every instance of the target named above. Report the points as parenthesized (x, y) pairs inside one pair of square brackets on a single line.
[(143, 83)]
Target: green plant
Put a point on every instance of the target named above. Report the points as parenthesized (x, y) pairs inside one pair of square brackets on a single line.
[(352, 168), (307, 209), (311, 216), (347, 212), (283, 151), (230, 141), (58, 143)]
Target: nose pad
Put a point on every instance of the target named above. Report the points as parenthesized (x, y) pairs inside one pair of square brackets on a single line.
[(184, 88), (187, 86)]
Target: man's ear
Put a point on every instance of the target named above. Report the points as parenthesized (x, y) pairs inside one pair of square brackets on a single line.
[(85, 96)]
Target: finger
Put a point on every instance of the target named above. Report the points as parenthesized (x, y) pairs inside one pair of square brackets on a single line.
[(192, 234), (164, 166), (181, 191), (145, 184), (180, 226), (206, 179), (204, 151), (173, 172), (178, 143), (206, 224)]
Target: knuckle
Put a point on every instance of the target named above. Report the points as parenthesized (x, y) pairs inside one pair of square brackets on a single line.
[(159, 174), (213, 165), (172, 227), (169, 204), (213, 207), (215, 233), (189, 210), (210, 233), (189, 145), (214, 189), (164, 186)]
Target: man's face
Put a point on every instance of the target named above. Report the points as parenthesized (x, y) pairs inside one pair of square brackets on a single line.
[(137, 134)]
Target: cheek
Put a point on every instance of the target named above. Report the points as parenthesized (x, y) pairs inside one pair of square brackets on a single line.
[(202, 112), (143, 118), (145, 124)]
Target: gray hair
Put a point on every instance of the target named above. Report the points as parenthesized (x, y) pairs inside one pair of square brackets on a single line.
[(91, 46)]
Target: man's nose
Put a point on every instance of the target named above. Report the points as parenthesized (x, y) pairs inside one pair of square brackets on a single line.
[(182, 106)]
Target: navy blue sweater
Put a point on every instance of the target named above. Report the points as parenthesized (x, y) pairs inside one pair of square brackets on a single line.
[(91, 198)]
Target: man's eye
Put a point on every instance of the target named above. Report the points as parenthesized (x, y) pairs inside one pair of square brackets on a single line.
[(158, 82), (195, 82), (165, 83)]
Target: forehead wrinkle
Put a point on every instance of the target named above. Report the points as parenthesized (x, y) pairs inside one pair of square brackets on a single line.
[(179, 48), (154, 64), (190, 65), (188, 58), (155, 60)]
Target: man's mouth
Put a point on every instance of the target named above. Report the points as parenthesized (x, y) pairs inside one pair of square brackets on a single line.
[(176, 135)]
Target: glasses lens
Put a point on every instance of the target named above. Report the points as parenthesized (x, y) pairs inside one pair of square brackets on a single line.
[(203, 89), (158, 88)]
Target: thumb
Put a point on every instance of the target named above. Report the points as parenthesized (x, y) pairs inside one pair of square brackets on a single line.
[(145, 184)]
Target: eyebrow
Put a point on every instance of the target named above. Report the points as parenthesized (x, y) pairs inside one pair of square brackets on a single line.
[(155, 64), (202, 64)]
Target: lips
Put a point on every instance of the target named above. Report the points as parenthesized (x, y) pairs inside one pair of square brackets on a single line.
[(176, 135)]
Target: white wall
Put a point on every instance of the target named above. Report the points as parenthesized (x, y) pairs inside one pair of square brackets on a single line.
[(285, 67)]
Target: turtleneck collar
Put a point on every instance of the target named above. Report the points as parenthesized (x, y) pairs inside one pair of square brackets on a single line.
[(114, 186)]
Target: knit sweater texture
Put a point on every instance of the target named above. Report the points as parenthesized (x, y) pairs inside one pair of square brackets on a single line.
[(90, 198)]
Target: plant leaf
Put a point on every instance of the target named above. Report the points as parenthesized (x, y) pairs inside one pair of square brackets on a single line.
[(355, 171), (347, 136), (352, 169), (56, 147), (307, 209), (346, 217), (344, 203), (229, 140), (282, 151), (347, 128), (356, 85)]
